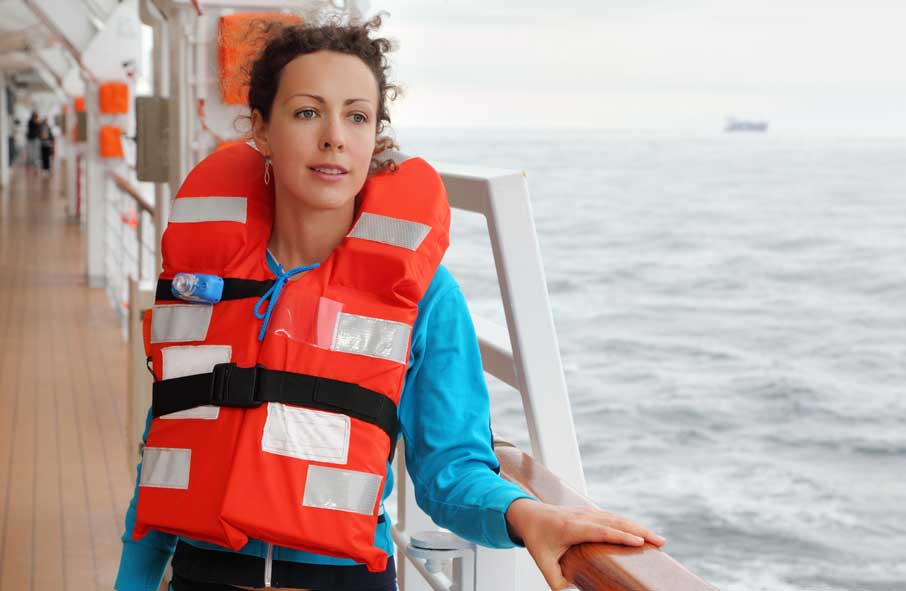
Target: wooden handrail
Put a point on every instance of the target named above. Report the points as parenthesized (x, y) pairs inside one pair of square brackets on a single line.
[(597, 566), (126, 187)]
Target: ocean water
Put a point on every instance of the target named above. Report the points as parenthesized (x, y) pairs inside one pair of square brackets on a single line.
[(731, 313)]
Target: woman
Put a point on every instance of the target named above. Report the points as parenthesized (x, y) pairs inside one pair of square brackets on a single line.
[(45, 136), (318, 102), (33, 142)]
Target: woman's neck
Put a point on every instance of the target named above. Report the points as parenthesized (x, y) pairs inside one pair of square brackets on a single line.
[(303, 236)]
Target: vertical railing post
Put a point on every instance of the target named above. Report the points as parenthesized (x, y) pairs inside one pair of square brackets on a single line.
[(4, 134), (410, 518), (139, 238), (94, 195), (502, 197)]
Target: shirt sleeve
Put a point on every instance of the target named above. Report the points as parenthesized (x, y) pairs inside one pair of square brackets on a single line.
[(445, 422), (142, 562)]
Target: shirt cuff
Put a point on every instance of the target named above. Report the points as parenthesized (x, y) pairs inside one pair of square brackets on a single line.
[(498, 532), (141, 568)]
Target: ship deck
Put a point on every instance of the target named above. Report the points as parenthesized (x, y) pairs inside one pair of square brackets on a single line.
[(64, 477)]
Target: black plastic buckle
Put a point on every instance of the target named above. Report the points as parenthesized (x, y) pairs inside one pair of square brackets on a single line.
[(235, 386)]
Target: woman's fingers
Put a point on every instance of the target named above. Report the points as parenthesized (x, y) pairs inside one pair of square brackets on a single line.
[(579, 532), (607, 527), (613, 535), (549, 565), (632, 527)]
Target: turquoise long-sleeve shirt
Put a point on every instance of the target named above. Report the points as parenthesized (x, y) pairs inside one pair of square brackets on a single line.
[(444, 414)]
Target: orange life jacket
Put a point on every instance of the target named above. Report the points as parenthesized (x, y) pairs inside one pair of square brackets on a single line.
[(284, 439)]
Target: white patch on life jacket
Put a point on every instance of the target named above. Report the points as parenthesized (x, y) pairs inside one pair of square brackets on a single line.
[(180, 361), (164, 467), (389, 230), (341, 490), (208, 209), (306, 434), (180, 323)]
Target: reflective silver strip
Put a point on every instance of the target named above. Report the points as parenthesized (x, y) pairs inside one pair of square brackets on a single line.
[(341, 490), (208, 209), (373, 337), (180, 323), (164, 467), (393, 231), (208, 412)]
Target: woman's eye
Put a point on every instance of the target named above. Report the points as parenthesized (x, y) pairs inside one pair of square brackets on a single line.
[(361, 118), (305, 113)]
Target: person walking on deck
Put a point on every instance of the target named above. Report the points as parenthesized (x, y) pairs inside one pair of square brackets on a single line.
[(46, 139), (33, 142)]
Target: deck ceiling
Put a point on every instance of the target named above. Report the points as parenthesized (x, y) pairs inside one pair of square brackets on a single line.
[(42, 40), (18, 26), (15, 17)]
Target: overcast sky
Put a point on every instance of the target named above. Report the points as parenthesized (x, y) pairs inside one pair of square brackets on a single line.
[(816, 66)]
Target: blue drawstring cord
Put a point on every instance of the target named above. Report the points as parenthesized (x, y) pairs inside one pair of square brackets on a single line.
[(273, 294)]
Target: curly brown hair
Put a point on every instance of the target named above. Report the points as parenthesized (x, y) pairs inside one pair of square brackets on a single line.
[(285, 43)]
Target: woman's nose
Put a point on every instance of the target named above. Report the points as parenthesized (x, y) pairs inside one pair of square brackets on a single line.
[(332, 137)]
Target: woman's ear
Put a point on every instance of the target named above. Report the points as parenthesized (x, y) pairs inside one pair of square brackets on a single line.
[(260, 133)]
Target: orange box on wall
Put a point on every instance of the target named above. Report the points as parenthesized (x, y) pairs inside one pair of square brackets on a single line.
[(114, 98), (79, 104), (111, 142), (241, 38)]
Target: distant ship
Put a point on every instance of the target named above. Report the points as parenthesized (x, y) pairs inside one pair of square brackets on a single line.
[(744, 125)]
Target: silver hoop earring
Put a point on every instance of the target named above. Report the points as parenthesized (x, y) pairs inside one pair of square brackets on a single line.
[(267, 171)]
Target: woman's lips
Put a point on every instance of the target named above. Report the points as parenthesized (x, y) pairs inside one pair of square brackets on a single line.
[(328, 177)]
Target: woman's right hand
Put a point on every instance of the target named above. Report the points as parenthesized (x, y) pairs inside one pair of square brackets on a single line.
[(548, 531)]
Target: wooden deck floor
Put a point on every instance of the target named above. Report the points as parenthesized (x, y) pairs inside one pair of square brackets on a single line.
[(64, 481)]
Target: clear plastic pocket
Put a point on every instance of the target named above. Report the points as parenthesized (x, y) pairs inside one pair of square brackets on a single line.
[(306, 318)]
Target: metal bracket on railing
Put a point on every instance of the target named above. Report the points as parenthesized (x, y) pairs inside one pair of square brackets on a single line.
[(438, 549)]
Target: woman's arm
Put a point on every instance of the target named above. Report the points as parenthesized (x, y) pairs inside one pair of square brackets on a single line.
[(142, 562), (445, 417), (445, 421)]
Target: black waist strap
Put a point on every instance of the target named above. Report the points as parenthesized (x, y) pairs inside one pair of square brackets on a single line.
[(233, 288), (249, 387)]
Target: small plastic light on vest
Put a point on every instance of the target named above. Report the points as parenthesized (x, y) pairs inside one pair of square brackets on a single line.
[(197, 287)]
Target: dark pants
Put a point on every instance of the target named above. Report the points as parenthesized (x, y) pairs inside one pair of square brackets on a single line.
[(192, 565), (46, 152), (180, 584)]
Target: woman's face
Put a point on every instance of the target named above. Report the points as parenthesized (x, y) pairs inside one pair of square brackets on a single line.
[(323, 117)]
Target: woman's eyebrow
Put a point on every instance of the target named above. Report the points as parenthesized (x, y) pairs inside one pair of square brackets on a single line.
[(320, 99)]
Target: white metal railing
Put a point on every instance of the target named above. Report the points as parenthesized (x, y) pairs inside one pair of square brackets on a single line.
[(129, 242), (523, 354)]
